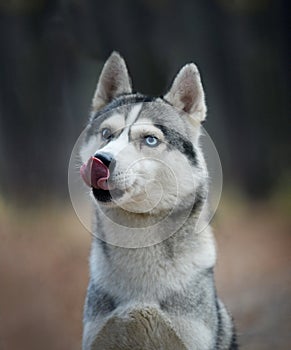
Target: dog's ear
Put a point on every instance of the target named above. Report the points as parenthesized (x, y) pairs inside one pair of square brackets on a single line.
[(114, 80), (186, 93)]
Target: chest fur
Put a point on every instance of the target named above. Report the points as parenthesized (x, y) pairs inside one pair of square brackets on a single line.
[(150, 273)]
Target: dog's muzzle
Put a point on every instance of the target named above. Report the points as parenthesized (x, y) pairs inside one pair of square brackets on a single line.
[(95, 172)]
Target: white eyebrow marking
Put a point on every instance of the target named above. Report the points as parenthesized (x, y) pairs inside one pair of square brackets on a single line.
[(117, 144), (115, 122), (144, 127), (132, 115), (131, 118)]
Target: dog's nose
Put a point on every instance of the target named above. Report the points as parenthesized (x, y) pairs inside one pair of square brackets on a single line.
[(107, 159)]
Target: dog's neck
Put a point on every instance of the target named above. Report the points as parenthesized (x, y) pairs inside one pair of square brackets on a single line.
[(123, 228), (182, 253)]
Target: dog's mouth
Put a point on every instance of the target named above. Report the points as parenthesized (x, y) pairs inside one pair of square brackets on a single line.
[(106, 196), (97, 176)]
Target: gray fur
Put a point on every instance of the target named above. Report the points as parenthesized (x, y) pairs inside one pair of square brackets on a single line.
[(159, 296), (179, 142), (98, 302)]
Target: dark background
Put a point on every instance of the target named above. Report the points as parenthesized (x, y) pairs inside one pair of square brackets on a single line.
[(51, 53)]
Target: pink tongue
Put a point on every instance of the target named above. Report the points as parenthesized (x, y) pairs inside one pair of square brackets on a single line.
[(95, 174)]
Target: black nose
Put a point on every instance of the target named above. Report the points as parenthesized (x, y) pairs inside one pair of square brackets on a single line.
[(106, 158)]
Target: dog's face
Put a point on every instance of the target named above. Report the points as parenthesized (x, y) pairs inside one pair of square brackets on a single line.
[(142, 153)]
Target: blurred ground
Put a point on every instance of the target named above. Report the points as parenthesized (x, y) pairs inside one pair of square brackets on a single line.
[(254, 275), (43, 275)]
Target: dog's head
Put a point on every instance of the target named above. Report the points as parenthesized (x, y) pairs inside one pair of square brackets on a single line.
[(142, 153)]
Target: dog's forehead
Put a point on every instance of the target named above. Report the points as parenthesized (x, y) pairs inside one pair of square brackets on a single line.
[(162, 113), (119, 119), (156, 110)]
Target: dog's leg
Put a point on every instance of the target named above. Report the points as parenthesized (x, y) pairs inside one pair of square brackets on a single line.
[(99, 305), (138, 329)]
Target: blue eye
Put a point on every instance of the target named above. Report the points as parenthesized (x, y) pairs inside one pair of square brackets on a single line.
[(106, 134), (151, 141)]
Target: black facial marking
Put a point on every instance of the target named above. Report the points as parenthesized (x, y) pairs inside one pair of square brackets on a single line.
[(123, 100), (176, 140), (106, 196), (102, 195), (129, 128), (98, 302)]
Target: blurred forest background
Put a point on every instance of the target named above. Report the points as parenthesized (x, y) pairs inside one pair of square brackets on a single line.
[(51, 53)]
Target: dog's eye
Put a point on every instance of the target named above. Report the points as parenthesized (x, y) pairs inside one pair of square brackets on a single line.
[(151, 141), (106, 134)]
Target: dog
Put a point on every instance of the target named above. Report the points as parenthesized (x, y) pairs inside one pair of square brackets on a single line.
[(151, 270)]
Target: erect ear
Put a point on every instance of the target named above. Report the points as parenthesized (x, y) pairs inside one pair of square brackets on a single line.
[(113, 81), (186, 93)]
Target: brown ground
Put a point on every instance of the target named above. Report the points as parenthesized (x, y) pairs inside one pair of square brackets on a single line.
[(43, 276)]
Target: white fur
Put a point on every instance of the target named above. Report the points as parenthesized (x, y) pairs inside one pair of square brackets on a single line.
[(156, 182), (195, 334), (144, 275)]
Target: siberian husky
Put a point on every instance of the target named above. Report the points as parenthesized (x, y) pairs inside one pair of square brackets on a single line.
[(151, 271)]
